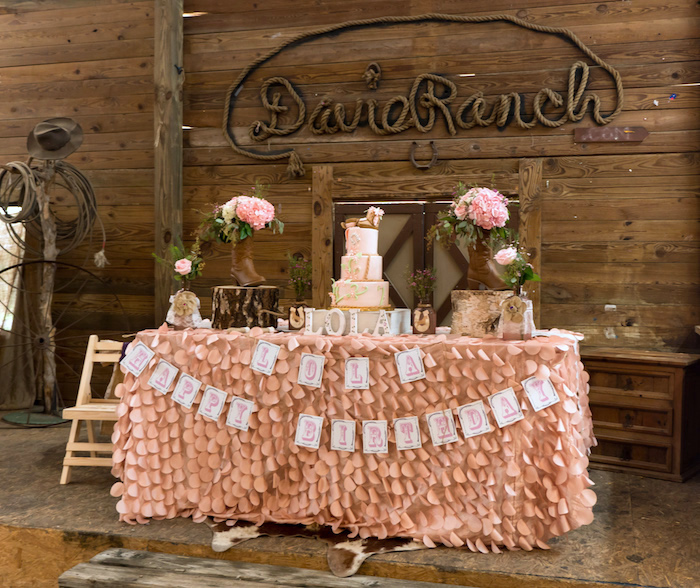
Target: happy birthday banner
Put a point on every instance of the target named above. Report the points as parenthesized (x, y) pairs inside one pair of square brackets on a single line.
[(473, 417)]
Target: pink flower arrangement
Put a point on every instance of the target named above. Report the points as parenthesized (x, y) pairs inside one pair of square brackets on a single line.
[(183, 266), (506, 256), (187, 265), (255, 211), (472, 212), (518, 268), (239, 218), (487, 208)]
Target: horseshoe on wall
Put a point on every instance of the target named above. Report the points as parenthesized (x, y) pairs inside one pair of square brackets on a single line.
[(433, 161)]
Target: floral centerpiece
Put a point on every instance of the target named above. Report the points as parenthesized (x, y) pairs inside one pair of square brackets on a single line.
[(518, 268), (238, 218), (184, 304), (300, 272), (186, 265), (236, 222), (474, 213), (422, 283), (475, 217), (517, 321)]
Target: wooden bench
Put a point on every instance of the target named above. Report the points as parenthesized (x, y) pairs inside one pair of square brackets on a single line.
[(646, 407), (119, 568)]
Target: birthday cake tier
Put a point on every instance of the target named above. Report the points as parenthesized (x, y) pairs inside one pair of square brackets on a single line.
[(361, 240), (367, 294), (361, 267)]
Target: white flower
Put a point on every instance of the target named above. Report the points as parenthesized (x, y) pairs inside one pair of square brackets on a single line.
[(228, 212)]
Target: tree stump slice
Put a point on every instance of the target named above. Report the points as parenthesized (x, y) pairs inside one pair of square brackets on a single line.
[(245, 306), (475, 313)]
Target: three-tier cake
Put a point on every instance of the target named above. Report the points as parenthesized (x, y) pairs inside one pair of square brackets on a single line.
[(360, 285)]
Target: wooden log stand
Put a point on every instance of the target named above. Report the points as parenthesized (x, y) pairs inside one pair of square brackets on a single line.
[(475, 313), (245, 306)]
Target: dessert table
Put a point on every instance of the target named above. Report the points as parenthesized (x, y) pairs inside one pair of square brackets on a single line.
[(456, 454)]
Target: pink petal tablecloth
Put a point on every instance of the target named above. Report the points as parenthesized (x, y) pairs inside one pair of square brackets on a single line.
[(514, 487)]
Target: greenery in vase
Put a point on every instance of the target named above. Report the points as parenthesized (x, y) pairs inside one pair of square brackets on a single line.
[(473, 213), (186, 265), (238, 218), (517, 267), (422, 283), (300, 273)]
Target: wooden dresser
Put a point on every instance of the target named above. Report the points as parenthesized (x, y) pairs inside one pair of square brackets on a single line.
[(646, 411)]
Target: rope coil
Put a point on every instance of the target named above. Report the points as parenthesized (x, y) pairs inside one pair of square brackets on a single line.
[(18, 188)]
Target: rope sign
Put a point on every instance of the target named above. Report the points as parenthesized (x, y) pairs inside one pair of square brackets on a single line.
[(433, 94)]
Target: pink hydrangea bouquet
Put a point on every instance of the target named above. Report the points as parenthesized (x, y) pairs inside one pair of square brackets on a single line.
[(473, 213), (238, 218), (517, 268)]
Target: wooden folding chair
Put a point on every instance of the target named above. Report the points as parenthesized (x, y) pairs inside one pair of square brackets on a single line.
[(91, 409)]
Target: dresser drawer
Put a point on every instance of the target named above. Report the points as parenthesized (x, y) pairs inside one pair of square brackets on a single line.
[(632, 381), (620, 412), (630, 450)]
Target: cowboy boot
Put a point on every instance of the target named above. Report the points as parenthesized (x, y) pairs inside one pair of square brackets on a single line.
[(242, 269), (481, 268)]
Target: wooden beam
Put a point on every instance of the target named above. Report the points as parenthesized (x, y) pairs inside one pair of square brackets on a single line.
[(530, 183), (322, 234), (168, 79)]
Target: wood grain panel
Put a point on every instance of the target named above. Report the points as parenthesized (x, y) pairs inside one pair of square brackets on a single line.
[(530, 226), (322, 234), (628, 230), (458, 148), (488, 44), (28, 14), (573, 252), (619, 222)]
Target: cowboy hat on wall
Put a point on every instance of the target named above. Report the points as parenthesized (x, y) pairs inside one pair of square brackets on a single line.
[(55, 138)]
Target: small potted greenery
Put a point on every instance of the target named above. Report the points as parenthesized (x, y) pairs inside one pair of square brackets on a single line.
[(300, 273), (422, 284)]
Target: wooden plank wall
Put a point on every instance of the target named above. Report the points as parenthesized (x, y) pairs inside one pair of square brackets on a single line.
[(619, 221), (91, 60)]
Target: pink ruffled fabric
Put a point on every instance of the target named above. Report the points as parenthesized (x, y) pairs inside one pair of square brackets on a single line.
[(515, 487)]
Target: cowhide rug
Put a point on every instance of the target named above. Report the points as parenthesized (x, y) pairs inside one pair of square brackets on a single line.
[(345, 555)]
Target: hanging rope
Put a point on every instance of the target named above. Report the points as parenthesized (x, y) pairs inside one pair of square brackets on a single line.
[(19, 187), (296, 167)]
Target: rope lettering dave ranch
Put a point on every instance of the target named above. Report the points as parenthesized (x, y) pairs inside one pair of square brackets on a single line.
[(430, 97), (438, 96)]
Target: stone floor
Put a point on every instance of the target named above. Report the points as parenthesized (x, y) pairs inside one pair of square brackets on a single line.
[(646, 532)]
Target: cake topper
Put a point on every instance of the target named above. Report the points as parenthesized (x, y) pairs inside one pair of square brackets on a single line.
[(371, 220)]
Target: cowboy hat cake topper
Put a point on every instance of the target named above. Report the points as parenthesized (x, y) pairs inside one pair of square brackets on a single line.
[(55, 138)]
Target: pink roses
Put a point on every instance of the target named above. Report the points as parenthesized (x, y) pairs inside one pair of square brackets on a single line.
[(506, 256), (183, 266), (254, 211)]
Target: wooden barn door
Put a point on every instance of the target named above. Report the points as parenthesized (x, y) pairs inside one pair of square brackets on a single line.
[(411, 203)]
